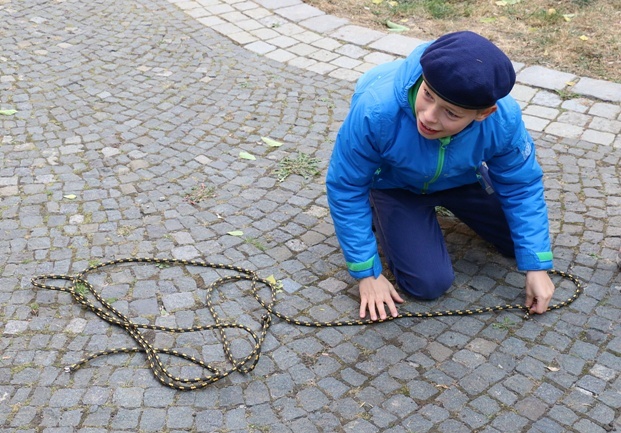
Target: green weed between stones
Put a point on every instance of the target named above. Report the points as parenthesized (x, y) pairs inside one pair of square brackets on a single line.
[(506, 324), (302, 165), (199, 193), (34, 309), (81, 289), (255, 243)]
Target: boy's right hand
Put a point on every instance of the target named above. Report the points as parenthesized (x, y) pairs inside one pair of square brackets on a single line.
[(376, 294)]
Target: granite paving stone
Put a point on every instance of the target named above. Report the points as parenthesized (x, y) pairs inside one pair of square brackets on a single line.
[(545, 77), (130, 120)]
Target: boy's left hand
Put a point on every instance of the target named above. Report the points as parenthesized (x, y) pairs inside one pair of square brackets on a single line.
[(539, 291)]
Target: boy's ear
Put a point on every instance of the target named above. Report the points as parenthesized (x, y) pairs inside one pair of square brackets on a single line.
[(483, 114)]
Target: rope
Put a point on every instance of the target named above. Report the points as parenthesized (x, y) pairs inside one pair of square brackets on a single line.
[(78, 285)]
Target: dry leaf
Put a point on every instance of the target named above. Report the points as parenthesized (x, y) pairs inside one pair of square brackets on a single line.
[(394, 27), (246, 155), (8, 112), (236, 233), (584, 38), (70, 196), (551, 368), (275, 283), (270, 142)]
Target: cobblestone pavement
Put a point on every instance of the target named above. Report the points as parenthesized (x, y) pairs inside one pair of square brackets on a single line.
[(130, 120)]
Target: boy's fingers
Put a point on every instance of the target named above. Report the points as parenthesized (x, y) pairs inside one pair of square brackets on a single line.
[(536, 305), (363, 308), (373, 314), (376, 304), (540, 307), (395, 296), (381, 309), (371, 306), (390, 303), (536, 309), (393, 309)]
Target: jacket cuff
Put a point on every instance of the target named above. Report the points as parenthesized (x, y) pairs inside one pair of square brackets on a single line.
[(531, 261), (370, 268)]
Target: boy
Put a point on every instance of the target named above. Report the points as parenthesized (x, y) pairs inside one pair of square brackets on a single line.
[(428, 131)]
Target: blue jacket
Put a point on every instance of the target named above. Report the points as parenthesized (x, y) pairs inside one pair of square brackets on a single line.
[(378, 146)]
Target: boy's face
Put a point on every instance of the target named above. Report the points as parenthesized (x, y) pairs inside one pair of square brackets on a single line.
[(436, 118)]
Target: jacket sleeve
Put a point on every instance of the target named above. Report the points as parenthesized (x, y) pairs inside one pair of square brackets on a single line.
[(354, 160), (517, 179)]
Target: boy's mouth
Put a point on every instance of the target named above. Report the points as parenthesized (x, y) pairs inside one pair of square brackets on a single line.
[(426, 129)]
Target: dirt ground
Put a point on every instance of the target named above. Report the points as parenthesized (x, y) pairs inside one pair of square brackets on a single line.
[(582, 37)]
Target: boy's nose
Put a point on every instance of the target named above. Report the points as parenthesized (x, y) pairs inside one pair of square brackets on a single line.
[(432, 115)]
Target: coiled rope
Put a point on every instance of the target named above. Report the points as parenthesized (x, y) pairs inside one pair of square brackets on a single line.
[(77, 285)]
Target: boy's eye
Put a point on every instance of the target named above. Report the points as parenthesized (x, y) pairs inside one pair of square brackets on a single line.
[(451, 114)]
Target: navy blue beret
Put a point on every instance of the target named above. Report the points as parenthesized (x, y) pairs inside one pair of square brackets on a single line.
[(467, 70)]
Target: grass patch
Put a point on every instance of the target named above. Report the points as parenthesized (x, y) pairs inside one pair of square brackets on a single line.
[(506, 324), (255, 243), (302, 165), (81, 289), (34, 309), (581, 37), (199, 193)]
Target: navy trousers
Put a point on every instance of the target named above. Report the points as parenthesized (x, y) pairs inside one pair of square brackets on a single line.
[(412, 241)]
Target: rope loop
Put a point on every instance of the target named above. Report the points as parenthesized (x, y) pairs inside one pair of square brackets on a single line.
[(78, 287)]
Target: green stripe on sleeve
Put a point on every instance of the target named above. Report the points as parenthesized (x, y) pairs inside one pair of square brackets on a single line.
[(357, 267), (545, 257)]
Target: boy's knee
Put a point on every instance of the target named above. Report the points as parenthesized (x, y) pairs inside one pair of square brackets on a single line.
[(428, 288)]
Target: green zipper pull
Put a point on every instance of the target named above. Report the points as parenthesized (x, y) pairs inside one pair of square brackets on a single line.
[(441, 153)]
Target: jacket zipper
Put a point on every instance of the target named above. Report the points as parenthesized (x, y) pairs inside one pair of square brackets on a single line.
[(439, 167)]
